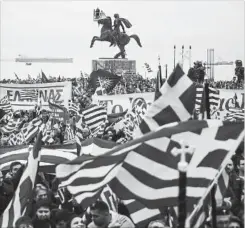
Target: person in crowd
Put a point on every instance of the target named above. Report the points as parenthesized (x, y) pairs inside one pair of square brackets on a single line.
[(230, 167), (197, 72), (61, 132), (191, 73), (235, 190), (56, 135), (14, 167), (24, 222), (223, 217), (6, 192), (24, 121), (85, 101), (85, 131), (241, 168), (61, 218), (76, 222), (8, 185), (41, 193), (42, 217), (239, 71), (110, 134), (102, 217)]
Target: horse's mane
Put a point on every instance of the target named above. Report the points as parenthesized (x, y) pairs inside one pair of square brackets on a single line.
[(110, 20)]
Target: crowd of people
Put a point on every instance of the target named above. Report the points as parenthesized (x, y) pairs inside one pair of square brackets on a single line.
[(51, 207), (228, 84), (57, 130), (197, 74), (139, 84)]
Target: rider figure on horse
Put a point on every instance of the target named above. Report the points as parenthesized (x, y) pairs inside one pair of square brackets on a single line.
[(118, 22)]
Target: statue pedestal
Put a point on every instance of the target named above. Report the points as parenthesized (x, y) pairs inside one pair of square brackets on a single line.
[(116, 66)]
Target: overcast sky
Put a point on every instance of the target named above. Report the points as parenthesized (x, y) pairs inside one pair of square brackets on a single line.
[(65, 29)]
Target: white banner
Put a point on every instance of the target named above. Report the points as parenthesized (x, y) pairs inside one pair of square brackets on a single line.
[(119, 103), (59, 91)]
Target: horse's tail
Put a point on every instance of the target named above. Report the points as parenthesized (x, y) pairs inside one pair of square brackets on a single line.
[(137, 39)]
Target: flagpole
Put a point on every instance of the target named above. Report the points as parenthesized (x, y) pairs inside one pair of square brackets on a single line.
[(182, 54), (182, 167), (190, 56), (213, 190), (213, 204), (223, 165), (207, 104), (160, 71)]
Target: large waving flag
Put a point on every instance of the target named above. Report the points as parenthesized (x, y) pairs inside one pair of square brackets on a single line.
[(126, 167), (165, 109), (51, 156), (175, 103), (23, 192), (95, 146)]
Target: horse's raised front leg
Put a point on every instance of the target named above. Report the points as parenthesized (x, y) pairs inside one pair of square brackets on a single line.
[(93, 40)]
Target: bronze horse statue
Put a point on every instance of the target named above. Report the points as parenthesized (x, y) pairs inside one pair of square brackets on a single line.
[(106, 35)]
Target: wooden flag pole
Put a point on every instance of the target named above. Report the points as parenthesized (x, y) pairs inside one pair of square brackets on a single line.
[(182, 167)]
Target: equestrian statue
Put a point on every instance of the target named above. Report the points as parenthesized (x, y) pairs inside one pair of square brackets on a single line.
[(112, 33)]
